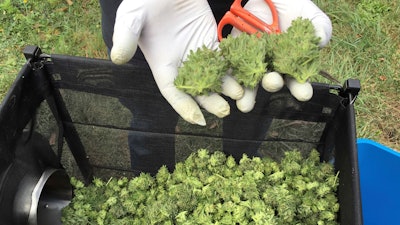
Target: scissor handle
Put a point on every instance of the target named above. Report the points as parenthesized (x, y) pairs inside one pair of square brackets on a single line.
[(247, 22), (230, 18)]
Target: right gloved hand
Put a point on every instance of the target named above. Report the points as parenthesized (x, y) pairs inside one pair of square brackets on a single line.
[(166, 31), (288, 10)]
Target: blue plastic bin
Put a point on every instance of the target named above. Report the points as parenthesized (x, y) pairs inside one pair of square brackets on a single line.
[(379, 168)]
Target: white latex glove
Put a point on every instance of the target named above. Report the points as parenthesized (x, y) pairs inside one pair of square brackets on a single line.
[(288, 10), (166, 31)]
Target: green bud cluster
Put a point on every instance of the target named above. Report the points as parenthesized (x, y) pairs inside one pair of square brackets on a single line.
[(202, 72), (213, 188), (246, 56), (294, 53)]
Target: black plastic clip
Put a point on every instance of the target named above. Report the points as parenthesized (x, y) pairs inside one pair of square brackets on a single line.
[(32, 52), (35, 57), (351, 88)]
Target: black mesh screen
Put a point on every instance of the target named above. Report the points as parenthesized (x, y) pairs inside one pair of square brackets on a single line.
[(126, 126)]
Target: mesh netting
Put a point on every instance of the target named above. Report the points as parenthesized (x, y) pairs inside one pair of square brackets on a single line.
[(127, 127)]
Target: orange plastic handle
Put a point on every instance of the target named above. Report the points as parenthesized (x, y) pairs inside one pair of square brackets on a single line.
[(247, 22)]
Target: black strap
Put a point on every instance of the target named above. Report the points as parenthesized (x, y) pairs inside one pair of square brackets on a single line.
[(62, 116)]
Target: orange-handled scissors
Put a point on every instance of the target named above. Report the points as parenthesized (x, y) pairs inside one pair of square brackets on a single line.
[(243, 20)]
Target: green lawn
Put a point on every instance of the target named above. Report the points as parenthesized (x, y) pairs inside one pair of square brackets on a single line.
[(365, 45)]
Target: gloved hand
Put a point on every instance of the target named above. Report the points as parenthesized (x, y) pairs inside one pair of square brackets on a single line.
[(288, 10), (166, 31)]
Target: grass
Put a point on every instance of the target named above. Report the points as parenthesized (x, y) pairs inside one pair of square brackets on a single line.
[(365, 46), (56, 26)]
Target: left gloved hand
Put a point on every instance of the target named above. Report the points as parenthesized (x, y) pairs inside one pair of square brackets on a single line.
[(288, 10), (166, 31)]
